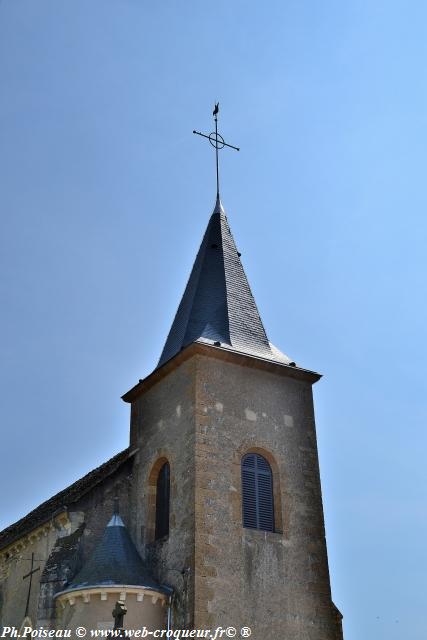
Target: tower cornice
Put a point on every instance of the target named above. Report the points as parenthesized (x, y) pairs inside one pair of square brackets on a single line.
[(221, 353)]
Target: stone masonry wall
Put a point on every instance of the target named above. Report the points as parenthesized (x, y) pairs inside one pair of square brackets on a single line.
[(276, 583), (12, 570), (163, 429), (203, 417)]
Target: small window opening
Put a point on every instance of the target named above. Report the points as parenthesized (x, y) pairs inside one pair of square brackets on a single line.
[(162, 502), (257, 493)]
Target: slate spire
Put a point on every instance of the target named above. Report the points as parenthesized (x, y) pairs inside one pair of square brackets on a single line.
[(115, 560), (218, 305)]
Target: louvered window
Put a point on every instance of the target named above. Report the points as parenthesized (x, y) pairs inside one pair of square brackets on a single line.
[(257, 493), (162, 502)]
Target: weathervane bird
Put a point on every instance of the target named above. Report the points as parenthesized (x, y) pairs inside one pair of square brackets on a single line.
[(216, 109)]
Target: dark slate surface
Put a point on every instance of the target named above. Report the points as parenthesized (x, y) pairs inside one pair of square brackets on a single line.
[(64, 498), (218, 305), (115, 561)]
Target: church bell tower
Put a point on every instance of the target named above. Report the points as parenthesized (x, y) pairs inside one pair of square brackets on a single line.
[(227, 487)]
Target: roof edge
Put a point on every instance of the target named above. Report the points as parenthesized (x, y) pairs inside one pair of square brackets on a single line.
[(223, 354), (113, 587), (116, 462)]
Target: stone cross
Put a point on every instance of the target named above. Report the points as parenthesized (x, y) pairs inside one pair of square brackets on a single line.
[(119, 613)]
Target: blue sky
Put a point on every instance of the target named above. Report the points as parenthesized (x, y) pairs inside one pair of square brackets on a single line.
[(105, 194)]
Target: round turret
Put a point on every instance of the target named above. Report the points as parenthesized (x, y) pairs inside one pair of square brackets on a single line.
[(114, 572)]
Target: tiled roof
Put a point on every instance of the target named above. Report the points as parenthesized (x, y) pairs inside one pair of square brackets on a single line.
[(115, 561), (61, 500), (218, 305)]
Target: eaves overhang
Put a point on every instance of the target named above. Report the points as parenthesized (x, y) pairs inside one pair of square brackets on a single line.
[(224, 354), (160, 592)]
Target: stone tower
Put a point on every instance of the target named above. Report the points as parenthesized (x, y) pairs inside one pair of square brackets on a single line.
[(219, 489), (231, 419)]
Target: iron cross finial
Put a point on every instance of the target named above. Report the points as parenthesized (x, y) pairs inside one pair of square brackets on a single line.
[(30, 576), (218, 142)]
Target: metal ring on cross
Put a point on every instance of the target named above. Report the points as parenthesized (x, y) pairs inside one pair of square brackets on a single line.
[(216, 140)]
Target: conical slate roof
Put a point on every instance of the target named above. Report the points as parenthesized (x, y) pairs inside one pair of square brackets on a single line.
[(218, 305), (115, 561)]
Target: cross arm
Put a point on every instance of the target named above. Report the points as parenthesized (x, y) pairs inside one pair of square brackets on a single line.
[(225, 144), (27, 575)]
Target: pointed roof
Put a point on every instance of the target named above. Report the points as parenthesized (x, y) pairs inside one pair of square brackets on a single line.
[(218, 305), (115, 561)]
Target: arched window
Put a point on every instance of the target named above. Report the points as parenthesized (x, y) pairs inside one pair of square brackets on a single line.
[(162, 502), (257, 493)]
